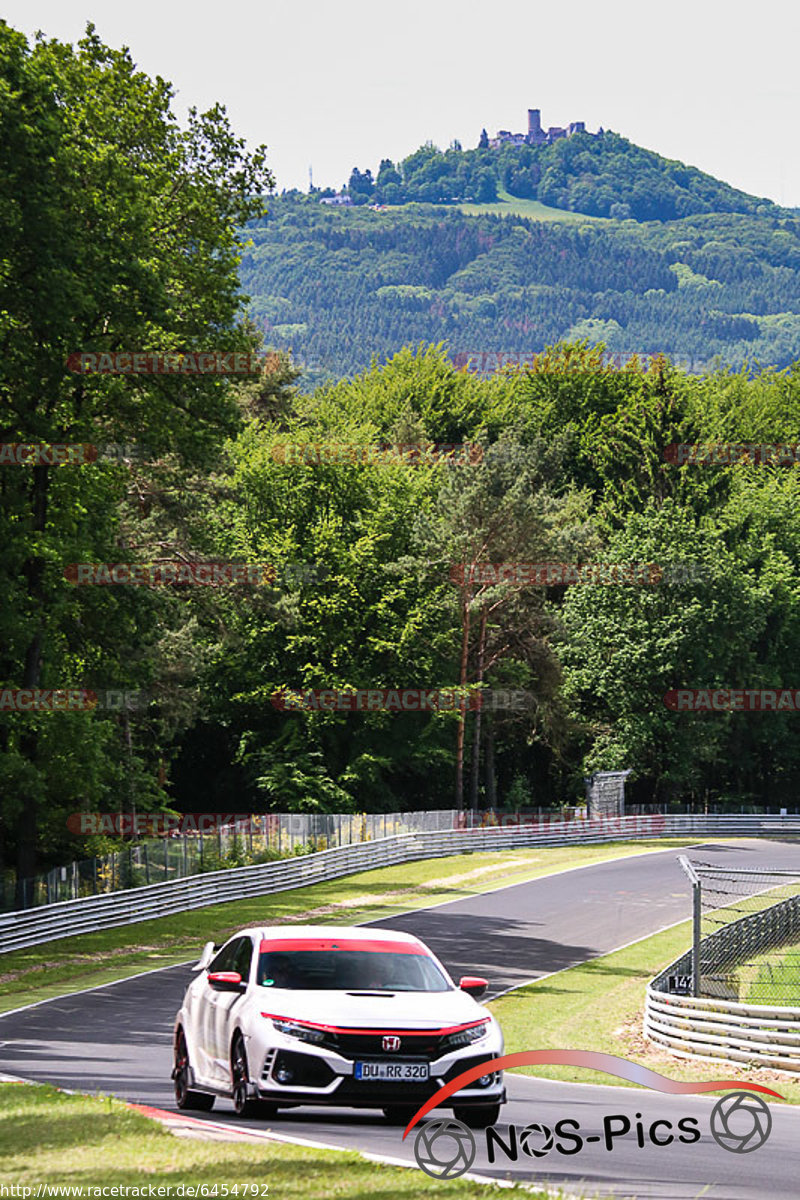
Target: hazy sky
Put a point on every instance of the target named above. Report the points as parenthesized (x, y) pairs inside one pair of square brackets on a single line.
[(342, 83)]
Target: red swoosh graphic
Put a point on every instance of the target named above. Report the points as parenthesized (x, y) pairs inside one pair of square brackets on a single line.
[(611, 1064)]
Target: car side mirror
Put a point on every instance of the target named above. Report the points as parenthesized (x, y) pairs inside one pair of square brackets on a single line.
[(226, 981), (473, 985), (209, 950)]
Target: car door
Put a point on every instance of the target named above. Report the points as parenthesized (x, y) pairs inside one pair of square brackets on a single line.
[(225, 1006), (208, 1065)]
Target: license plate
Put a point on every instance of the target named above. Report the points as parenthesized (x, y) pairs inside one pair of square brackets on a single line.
[(392, 1070)]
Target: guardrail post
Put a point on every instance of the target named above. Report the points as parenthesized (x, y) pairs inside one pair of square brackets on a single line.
[(697, 914)]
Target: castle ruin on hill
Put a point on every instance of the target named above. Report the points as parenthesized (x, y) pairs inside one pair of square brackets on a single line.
[(536, 135)]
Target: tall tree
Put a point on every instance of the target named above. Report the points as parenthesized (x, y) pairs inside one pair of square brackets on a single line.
[(119, 232), (510, 509)]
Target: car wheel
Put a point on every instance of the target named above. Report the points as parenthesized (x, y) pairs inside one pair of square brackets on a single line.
[(478, 1116), (244, 1104), (186, 1097), (399, 1114)]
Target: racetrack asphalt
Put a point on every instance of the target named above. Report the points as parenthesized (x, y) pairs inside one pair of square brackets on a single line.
[(118, 1039)]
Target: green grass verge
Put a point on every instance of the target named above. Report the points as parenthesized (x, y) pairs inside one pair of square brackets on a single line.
[(70, 964), (49, 1137), (599, 1006)]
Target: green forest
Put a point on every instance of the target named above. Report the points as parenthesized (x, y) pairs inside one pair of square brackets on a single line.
[(341, 287), (123, 231)]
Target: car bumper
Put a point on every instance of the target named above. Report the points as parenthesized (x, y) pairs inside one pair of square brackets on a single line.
[(316, 1080)]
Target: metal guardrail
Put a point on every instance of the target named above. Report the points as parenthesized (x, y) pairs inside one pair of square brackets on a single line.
[(31, 927), (714, 1029), (724, 1030)]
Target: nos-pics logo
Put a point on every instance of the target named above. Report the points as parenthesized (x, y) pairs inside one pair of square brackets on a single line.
[(445, 1148)]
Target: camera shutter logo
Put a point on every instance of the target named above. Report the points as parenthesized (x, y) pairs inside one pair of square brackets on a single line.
[(741, 1122), (391, 1042), (444, 1149), (536, 1140)]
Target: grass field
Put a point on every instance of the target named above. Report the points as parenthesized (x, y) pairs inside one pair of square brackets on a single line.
[(50, 1138), (508, 205), (70, 964), (771, 978), (599, 1006)]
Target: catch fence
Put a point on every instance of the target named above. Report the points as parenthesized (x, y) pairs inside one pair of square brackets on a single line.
[(736, 994)]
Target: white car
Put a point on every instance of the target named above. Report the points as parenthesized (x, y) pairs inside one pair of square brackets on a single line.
[(355, 1017)]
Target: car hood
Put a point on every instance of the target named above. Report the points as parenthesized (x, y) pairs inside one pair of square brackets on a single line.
[(359, 1010)]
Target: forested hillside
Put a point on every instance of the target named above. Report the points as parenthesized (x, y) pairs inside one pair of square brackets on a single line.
[(602, 175), (339, 287)]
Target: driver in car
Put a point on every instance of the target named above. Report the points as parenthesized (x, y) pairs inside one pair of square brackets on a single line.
[(281, 972)]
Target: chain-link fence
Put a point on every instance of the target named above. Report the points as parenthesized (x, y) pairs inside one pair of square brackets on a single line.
[(257, 839), (747, 932), (138, 862)]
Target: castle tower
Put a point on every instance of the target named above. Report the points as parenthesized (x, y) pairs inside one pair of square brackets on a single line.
[(534, 122)]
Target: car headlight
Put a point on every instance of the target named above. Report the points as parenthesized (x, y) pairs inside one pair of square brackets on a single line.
[(304, 1033), (465, 1037)]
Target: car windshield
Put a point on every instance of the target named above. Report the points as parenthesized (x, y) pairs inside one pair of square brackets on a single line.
[(349, 970)]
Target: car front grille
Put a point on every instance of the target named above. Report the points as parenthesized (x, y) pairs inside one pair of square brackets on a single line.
[(425, 1046)]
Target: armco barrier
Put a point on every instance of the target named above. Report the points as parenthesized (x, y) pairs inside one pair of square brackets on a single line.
[(31, 927), (717, 1030), (755, 1035)]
